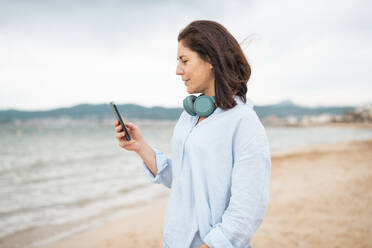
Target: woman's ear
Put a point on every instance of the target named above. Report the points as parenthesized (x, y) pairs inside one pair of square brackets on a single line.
[(209, 62)]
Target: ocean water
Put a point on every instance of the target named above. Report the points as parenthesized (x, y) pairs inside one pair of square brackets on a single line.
[(61, 171)]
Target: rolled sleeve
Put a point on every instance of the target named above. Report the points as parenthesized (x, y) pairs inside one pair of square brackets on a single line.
[(249, 192), (216, 238), (164, 166)]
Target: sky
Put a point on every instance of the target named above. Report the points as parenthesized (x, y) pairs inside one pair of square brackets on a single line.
[(62, 53)]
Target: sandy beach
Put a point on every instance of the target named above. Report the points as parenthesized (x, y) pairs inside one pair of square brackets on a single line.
[(320, 197)]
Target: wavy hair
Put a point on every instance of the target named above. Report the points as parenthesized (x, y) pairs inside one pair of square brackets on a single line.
[(215, 45)]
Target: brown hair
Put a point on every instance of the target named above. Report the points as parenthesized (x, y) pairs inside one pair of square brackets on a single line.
[(217, 46)]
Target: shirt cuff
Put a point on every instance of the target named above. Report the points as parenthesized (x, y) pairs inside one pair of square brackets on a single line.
[(161, 164), (217, 239)]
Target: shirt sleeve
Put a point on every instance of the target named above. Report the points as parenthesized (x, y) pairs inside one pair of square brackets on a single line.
[(249, 189), (164, 165)]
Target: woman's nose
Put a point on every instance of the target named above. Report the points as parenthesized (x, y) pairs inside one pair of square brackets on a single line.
[(179, 70)]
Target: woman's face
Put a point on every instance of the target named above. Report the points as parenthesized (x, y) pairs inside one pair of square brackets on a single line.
[(195, 72)]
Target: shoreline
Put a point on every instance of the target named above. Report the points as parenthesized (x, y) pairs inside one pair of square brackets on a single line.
[(318, 197), (362, 125)]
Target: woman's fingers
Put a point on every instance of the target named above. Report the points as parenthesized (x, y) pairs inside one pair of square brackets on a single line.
[(131, 145), (120, 135), (122, 144), (130, 125), (119, 128), (122, 141), (126, 144)]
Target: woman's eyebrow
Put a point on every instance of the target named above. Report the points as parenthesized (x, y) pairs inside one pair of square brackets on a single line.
[(180, 57)]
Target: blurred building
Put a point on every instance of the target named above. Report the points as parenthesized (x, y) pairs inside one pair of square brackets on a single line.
[(318, 119), (273, 120), (362, 114)]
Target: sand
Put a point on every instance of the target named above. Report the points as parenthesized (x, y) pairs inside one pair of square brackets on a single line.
[(319, 197)]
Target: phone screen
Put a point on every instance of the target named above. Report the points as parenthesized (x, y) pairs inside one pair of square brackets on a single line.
[(118, 117)]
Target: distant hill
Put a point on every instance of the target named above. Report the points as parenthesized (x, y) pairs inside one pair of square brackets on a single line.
[(99, 111), (281, 110), (130, 111)]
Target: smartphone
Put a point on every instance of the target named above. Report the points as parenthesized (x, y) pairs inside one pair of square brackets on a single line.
[(118, 117)]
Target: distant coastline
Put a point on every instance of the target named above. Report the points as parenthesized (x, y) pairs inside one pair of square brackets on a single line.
[(271, 114)]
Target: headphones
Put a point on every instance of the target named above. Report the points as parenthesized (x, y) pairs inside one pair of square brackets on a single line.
[(202, 105)]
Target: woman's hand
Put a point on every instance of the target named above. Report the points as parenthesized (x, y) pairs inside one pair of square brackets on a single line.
[(204, 246), (136, 138)]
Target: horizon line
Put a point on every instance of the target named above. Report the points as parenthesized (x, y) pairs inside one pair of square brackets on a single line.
[(283, 102)]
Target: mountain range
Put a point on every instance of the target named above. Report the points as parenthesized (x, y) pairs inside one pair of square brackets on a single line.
[(130, 111)]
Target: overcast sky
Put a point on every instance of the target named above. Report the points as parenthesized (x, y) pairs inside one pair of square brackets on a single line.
[(62, 53)]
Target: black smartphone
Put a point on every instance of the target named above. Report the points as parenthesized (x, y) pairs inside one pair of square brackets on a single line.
[(118, 117)]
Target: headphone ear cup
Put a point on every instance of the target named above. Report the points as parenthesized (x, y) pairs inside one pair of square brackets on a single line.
[(188, 105), (204, 105)]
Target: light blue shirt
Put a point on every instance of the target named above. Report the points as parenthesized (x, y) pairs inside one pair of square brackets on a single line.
[(219, 175)]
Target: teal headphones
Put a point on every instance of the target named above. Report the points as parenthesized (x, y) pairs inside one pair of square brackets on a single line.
[(202, 105)]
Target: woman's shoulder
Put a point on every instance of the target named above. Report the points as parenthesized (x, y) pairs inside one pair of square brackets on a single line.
[(248, 126), (243, 109), (245, 117)]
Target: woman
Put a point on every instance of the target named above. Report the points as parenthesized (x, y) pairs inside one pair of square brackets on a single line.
[(219, 170)]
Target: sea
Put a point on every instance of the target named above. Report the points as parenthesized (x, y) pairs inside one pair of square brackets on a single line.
[(61, 176)]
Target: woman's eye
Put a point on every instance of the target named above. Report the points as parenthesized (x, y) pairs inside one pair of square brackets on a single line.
[(184, 61)]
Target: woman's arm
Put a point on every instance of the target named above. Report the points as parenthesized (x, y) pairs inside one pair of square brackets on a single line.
[(158, 167), (148, 156)]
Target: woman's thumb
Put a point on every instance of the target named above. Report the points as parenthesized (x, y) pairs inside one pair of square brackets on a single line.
[(130, 125)]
